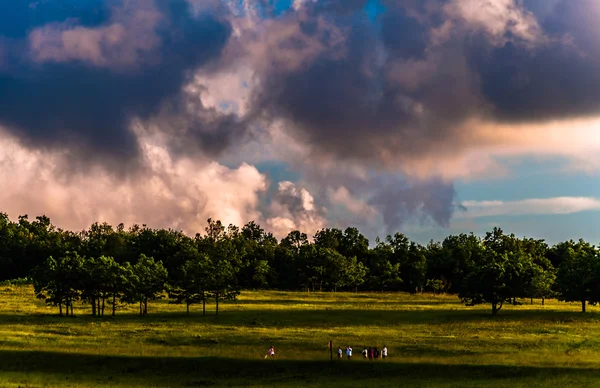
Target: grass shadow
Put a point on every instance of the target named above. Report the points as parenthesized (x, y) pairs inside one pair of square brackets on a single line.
[(319, 317), (189, 371)]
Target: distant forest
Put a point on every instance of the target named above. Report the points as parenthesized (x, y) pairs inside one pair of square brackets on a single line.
[(107, 267)]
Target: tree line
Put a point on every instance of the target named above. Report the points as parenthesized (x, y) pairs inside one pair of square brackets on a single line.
[(105, 266)]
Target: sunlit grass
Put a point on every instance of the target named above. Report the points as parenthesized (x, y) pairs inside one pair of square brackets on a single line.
[(432, 341)]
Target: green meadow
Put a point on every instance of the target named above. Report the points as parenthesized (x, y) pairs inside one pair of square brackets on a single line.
[(433, 341)]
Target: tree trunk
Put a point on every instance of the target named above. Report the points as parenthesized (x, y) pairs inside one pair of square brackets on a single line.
[(543, 300), (114, 306), (531, 300), (141, 310), (60, 309), (188, 309), (146, 306), (583, 306), (496, 308), (217, 302), (98, 305), (93, 307), (103, 298), (204, 307)]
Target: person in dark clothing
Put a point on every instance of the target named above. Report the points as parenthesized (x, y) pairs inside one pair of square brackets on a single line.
[(375, 353), (370, 353)]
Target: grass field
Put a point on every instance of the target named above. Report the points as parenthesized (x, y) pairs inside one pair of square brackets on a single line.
[(433, 341)]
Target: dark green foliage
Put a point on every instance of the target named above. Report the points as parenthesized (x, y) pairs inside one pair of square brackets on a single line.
[(145, 282), (578, 277), (59, 281), (191, 282), (106, 266)]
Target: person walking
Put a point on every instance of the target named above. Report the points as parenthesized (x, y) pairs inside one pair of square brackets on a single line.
[(375, 353), (384, 352), (365, 353), (272, 351), (370, 353), (349, 352), (339, 353)]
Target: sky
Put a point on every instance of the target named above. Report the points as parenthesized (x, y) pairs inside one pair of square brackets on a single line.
[(426, 117)]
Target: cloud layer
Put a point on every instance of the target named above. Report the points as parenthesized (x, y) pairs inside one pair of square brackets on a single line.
[(377, 113), (532, 206)]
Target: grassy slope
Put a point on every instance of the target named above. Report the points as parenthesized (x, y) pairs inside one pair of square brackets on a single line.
[(432, 341)]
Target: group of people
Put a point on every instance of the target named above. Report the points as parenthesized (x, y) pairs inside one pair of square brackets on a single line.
[(371, 353)]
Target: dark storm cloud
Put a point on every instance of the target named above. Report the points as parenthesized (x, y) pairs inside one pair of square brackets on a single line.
[(404, 87), (400, 202), (557, 80), (392, 89), (19, 17), (85, 106), (347, 102)]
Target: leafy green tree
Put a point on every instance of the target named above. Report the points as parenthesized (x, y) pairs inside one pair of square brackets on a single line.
[(453, 259), (414, 268), (328, 239), (223, 282), (578, 277), (224, 247), (58, 281), (147, 281), (384, 270), (257, 251), (356, 273), (354, 244), (191, 282), (501, 278), (103, 280)]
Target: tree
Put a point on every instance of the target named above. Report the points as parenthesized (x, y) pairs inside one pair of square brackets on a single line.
[(58, 281), (257, 251), (356, 273), (502, 277), (453, 259), (578, 277), (191, 282), (224, 267), (487, 284), (103, 280), (224, 247), (147, 279)]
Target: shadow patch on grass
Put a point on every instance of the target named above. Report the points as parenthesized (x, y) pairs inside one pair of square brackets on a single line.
[(321, 318), (189, 371)]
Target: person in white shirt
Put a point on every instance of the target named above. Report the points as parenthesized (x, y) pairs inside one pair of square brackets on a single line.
[(349, 352), (384, 352), (365, 353), (339, 351)]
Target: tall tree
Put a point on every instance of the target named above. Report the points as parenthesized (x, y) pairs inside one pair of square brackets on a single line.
[(192, 281), (147, 282), (578, 277), (58, 281)]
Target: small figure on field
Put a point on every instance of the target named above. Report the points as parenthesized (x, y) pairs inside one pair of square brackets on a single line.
[(339, 351), (370, 353), (349, 352), (272, 351), (375, 353), (365, 353), (384, 352)]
